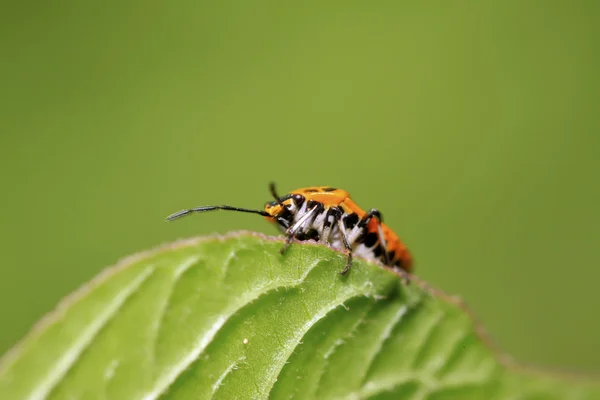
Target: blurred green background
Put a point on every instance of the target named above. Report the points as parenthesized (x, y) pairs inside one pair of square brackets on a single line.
[(473, 127)]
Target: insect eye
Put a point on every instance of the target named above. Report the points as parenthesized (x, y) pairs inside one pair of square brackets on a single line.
[(298, 199)]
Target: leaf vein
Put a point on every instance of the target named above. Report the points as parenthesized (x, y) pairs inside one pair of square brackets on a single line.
[(71, 355), (180, 269), (163, 383)]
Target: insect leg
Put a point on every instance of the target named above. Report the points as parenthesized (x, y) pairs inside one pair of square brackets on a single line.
[(299, 226), (328, 224), (375, 213), (342, 230)]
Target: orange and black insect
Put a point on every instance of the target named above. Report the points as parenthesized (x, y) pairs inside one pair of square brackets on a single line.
[(328, 215)]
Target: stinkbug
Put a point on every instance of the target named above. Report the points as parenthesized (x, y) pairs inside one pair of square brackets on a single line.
[(329, 215)]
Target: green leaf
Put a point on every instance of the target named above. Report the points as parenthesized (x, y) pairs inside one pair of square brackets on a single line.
[(231, 318)]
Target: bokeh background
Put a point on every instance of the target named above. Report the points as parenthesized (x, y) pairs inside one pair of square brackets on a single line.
[(473, 126)]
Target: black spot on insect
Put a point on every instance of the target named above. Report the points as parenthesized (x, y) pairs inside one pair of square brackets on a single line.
[(285, 218), (311, 190), (329, 189), (398, 263), (328, 220), (376, 214), (334, 213), (391, 255), (285, 213), (312, 234), (350, 220), (311, 204), (298, 200), (378, 251), (370, 239)]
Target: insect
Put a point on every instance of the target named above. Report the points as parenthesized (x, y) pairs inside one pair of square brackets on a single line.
[(329, 215)]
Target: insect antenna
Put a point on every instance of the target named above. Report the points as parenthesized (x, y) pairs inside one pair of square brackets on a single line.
[(184, 213), (274, 193)]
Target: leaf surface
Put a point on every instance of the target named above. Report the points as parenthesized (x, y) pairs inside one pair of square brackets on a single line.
[(231, 318)]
